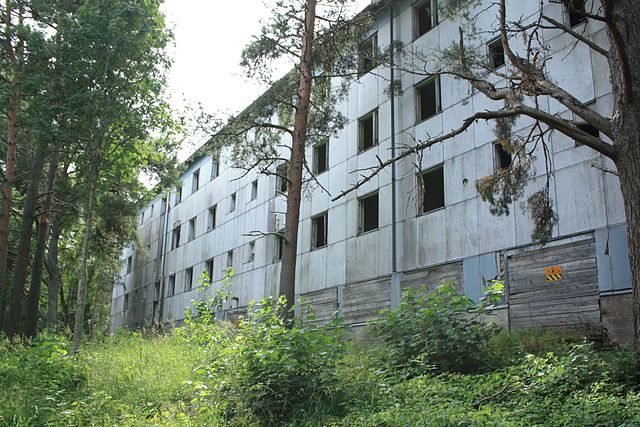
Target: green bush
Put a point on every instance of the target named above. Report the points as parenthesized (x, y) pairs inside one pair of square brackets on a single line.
[(436, 332), (270, 370)]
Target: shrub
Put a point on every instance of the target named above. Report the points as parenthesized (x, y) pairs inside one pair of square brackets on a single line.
[(436, 332)]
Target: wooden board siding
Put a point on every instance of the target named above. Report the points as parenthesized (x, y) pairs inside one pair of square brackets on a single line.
[(364, 301), (434, 276), (323, 304), (571, 301)]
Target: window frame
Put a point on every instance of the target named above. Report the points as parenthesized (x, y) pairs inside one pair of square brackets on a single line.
[(129, 264), (373, 114), (175, 237), (433, 6), (491, 53), (368, 46), (324, 217), (215, 169), (195, 181), (362, 212), (316, 157), (254, 190), (279, 246), (191, 234), (498, 157), (418, 96), (212, 213), (575, 18), (171, 285), (188, 279), (178, 195), (423, 190), (233, 202), (251, 252), (230, 259), (208, 267), (282, 178)]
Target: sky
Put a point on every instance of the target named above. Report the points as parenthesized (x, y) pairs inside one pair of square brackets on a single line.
[(209, 37)]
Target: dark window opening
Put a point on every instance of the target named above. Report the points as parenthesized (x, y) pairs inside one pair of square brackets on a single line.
[(368, 131), (188, 279), (178, 195), (367, 55), (254, 190), (195, 181), (172, 285), (321, 157), (209, 270), (230, 259), (591, 130), (282, 180), (163, 206), (428, 94), (125, 303), (577, 12), (496, 54), (432, 189), (192, 229), (175, 238), (319, 227), (251, 252), (368, 213), (279, 245), (214, 169), (211, 223), (502, 159), (232, 203), (129, 264), (425, 16)]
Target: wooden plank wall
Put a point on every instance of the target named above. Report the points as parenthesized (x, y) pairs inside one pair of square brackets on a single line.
[(323, 304), (571, 301), (364, 301), (434, 276)]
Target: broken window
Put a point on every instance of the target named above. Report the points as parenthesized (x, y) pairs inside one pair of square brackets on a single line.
[(368, 131), (425, 17), (192, 229), (367, 54), (209, 270), (321, 157), (129, 264), (230, 259), (432, 182), (428, 98), (175, 238), (501, 158), (232, 203), (281, 177), (576, 12), (188, 279), (214, 169), (254, 190), (496, 54), (211, 219), (178, 195), (195, 181), (368, 219), (319, 230), (172, 285), (251, 252)]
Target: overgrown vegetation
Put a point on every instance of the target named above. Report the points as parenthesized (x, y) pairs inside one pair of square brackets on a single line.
[(434, 364)]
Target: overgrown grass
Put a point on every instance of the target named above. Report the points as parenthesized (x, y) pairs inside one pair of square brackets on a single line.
[(263, 373)]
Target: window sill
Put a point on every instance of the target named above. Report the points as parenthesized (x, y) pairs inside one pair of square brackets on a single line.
[(432, 211), (317, 174), (362, 233), (317, 248)]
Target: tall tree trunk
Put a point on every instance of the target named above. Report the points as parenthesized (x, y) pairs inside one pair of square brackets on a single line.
[(53, 287), (296, 162), (84, 257), (33, 300), (622, 19), (24, 244), (15, 59)]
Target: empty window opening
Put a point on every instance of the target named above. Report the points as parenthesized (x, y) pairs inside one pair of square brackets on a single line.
[(232, 203), (282, 179), (321, 157), (576, 11), (432, 182), (251, 252), (163, 205), (178, 195), (195, 181), (496, 54), (192, 229), (368, 131), (129, 264), (425, 16), (254, 190), (501, 158), (367, 54), (188, 279), (428, 96), (211, 219), (230, 259), (172, 285), (209, 270), (279, 245), (125, 303), (368, 213), (214, 169), (175, 238), (591, 130), (319, 231)]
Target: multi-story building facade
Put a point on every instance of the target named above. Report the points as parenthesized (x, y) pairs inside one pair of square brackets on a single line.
[(356, 254)]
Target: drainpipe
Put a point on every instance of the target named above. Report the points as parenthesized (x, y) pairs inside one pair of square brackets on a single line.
[(395, 275)]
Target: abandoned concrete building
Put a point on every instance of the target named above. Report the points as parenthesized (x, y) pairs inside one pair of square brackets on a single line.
[(357, 254)]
